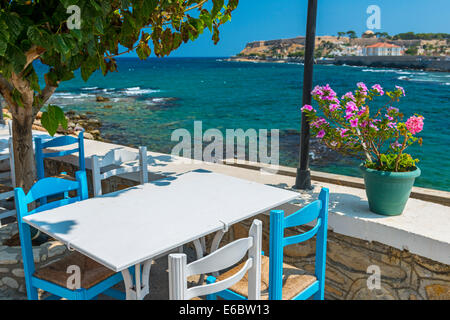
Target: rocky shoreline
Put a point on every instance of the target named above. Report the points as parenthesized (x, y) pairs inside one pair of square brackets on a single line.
[(77, 122), (431, 64)]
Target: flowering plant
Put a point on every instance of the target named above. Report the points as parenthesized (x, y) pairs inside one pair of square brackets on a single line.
[(347, 126)]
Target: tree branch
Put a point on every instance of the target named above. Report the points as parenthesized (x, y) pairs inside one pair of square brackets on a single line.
[(43, 97), (6, 90), (32, 54)]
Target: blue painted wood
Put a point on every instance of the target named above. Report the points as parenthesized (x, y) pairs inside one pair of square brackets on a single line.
[(321, 244), (317, 210), (276, 254), (210, 280), (40, 155), (53, 297), (305, 236), (50, 186), (42, 189), (304, 215), (224, 294), (308, 292), (114, 293)]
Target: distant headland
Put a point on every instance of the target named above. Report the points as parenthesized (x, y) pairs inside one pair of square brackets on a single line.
[(427, 51)]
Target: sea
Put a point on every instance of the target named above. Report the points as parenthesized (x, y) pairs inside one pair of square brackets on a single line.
[(150, 99)]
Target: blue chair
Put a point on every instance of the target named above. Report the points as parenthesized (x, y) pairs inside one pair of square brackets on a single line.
[(281, 281), (53, 278), (40, 145)]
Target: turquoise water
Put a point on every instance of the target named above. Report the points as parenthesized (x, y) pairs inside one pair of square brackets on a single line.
[(152, 98)]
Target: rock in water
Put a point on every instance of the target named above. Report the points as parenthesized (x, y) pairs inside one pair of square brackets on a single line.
[(101, 99)]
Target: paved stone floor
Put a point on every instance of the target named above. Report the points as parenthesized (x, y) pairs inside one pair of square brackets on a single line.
[(159, 281), (159, 278)]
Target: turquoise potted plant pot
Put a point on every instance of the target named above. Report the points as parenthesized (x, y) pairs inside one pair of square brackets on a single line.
[(387, 191)]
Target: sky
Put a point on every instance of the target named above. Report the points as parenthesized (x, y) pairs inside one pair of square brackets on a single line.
[(275, 19)]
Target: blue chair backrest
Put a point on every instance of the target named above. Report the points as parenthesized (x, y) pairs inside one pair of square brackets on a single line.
[(40, 145), (42, 189), (317, 210)]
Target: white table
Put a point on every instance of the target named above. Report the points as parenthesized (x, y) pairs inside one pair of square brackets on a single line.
[(132, 226)]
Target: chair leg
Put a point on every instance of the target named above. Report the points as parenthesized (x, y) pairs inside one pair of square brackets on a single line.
[(32, 293), (319, 295), (210, 280)]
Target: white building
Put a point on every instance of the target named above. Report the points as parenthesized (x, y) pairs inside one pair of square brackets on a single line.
[(382, 49)]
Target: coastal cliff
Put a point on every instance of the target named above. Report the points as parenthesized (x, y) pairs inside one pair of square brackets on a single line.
[(415, 54)]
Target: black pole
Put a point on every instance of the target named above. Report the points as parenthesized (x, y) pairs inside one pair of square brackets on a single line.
[(303, 180)]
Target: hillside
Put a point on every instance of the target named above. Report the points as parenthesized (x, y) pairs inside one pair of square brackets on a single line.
[(333, 46)]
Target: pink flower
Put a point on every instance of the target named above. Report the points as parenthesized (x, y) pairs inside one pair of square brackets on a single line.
[(362, 111), (378, 88), (325, 93), (333, 107), (307, 107), (396, 144), (362, 87), (390, 109), (343, 131), (317, 91), (319, 122), (348, 95), (348, 115), (354, 122), (389, 117), (373, 126), (414, 124), (351, 106), (320, 134), (392, 125), (401, 89)]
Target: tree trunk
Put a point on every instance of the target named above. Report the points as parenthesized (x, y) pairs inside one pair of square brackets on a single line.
[(25, 167)]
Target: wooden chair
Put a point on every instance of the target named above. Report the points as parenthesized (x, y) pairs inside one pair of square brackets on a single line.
[(54, 277), (40, 155), (7, 191), (117, 162), (281, 281), (220, 259)]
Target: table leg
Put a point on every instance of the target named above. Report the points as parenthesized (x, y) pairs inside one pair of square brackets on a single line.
[(199, 251), (139, 288), (215, 245)]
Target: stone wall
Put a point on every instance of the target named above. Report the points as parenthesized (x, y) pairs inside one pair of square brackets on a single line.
[(408, 62), (403, 275), (12, 280)]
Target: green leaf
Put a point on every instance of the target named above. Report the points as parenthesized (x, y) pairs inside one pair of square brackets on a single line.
[(16, 57), (217, 6), (99, 25), (148, 7), (61, 45), (3, 46), (12, 20), (52, 118)]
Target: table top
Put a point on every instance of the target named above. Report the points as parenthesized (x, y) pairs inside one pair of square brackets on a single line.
[(127, 227)]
